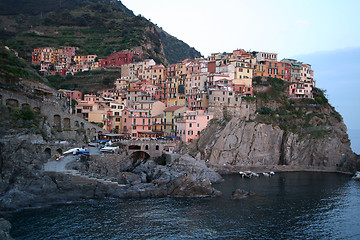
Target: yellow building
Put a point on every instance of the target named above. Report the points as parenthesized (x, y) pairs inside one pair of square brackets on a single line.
[(158, 124), (116, 113), (171, 115)]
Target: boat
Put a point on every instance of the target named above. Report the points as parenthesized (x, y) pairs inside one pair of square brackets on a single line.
[(356, 176), (76, 151), (109, 149), (266, 174)]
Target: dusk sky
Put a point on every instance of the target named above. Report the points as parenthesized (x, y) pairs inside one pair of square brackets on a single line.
[(322, 33)]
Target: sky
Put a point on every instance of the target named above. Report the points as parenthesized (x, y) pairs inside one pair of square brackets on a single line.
[(287, 27), (322, 33)]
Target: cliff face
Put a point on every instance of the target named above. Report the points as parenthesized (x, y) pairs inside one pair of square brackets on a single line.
[(242, 143)]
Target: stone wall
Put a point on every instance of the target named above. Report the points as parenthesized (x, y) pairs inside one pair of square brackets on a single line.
[(243, 110), (63, 124)]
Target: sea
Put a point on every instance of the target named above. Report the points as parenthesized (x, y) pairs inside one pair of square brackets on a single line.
[(293, 205)]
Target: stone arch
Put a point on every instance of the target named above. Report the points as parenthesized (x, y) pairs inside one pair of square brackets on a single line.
[(157, 147), (47, 153), (12, 102), (57, 122), (140, 155), (82, 125), (25, 105), (59, 151), (67, 123), (134, 147), (146, 147), (77, 124)]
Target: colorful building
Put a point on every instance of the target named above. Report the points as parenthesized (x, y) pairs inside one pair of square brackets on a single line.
[(190, 126)]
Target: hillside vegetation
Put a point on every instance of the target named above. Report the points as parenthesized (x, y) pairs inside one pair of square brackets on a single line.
[(95, 26), (86, 82), (302, 116), (12, 68)]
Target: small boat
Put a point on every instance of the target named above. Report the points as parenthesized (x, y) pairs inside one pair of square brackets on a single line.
[(356, 176), (255, 174), (249, 174), (266, 174), (272, 173), (76, 151)]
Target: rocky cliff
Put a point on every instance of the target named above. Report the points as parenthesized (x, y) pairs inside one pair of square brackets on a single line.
[(253, 144), (284, 133)]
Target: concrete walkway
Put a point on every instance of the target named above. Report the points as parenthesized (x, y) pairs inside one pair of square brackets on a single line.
[(59, 166)]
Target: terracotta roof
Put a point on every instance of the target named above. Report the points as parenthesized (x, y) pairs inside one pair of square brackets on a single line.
[(173, 108)]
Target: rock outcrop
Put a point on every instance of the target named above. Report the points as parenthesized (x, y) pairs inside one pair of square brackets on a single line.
[(247, 143), (241, 194), (24, 183), (183, 177), (5, 227)]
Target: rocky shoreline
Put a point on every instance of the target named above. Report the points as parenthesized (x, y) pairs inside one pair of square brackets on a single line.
[(235, 169)]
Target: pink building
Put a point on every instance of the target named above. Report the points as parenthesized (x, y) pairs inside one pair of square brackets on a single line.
[(137, 121), (76, 95), (69, 50), (301, 90), (190, 126), (243, 90)]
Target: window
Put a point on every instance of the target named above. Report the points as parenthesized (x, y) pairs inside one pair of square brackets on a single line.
[(118, 119), (190, 124), (198, 125)]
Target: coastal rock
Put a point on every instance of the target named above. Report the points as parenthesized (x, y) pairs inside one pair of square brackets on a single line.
[(5, 227), (244, 143), (188, 165), (241, 194), (188, 186), (128, 178)]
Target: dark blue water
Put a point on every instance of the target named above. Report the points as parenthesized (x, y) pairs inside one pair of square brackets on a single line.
[(286, 206)]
